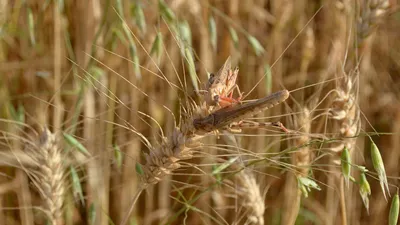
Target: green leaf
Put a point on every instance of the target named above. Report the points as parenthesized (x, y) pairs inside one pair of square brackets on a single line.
[(346, 165), (75, 144), (157, 47), (139, 169), (76, 185), (120, 35), (92, 214), (361, 168), (394, 210), (255, 44), (166, 12), (268, 78), (379, 167), (217, 176), (365, 190), (139, 17), (45, 5), (185, 32), (119, 7), (136, 63), (305, 184), (133, 51), (96, 72), (185, 36), (31, 24), (192, 69), (118, 156), (19, 114), (224, 165), (213, 32), (61, 5), (133, 221), (234, 37)]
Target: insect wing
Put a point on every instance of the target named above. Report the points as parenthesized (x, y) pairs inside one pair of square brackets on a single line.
[(231, 81), (225, 116), (222, 74)]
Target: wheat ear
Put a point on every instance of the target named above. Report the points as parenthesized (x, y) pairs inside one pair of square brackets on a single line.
[(165, 158), (345, 113), (345, 116), (248, 191), (371, 14), (301, 159), (50, 175)]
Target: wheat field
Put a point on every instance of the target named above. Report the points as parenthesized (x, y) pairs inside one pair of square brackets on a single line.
[(100, 103)]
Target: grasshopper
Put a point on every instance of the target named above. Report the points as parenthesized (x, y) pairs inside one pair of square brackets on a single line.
[(235, 114), (220, 87)]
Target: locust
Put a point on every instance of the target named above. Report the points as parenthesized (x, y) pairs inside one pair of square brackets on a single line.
[(235, 115), (220, 86)]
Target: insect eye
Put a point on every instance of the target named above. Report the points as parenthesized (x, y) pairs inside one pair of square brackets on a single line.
[(216, 98), (211, 79)]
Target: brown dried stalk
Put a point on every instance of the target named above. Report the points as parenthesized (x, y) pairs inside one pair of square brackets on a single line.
[(49, 175)]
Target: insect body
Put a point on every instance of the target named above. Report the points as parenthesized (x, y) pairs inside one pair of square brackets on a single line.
[(237, 112), (220, 87)]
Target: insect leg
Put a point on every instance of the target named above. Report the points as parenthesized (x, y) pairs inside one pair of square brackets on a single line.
[(251, 124)]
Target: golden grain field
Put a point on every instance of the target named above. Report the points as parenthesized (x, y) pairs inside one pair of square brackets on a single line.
[(107, 112)]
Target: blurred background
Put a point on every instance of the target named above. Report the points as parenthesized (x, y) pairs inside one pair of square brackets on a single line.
[(103, 74)]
